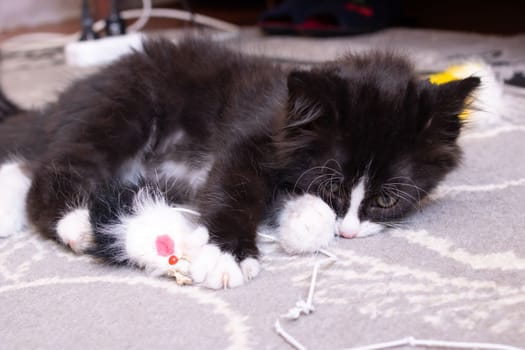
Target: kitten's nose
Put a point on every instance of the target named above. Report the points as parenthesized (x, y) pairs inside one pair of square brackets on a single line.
[(348, 228), (350, 234)]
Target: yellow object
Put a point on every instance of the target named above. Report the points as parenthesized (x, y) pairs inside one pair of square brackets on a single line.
[(452, 73), (457, 72)]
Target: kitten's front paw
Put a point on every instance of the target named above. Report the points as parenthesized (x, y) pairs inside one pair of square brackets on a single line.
[(11, 223), (74, 230), (215, 269), (14, 184), (250, 268), (306, 224)]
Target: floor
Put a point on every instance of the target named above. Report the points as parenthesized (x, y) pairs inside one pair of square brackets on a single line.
[(455, 271)]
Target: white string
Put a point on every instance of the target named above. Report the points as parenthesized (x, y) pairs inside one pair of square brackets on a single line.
[(386, 345), (306, 307), (286, 336), (301, 307), (411, 341)]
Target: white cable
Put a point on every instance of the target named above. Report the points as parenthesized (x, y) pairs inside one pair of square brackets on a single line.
[(37, 41), (22, 42), (184, 16), (144, 17), (175, 14)]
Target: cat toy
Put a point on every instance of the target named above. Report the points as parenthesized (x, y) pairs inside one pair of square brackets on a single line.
[(484, 107), (178, 267)]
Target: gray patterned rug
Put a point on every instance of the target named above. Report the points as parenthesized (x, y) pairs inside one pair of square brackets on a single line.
[(455, 271)]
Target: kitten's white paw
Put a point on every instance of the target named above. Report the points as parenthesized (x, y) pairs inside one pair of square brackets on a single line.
[(11, 223), (306, 224), (203, 262), (74, 230), (226, 274), (250, 268), (14, 184), (215, 269)]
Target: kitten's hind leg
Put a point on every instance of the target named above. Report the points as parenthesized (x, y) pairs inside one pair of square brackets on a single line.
[(14, 185), (216, 269), (135, 225), (74, 229), (57, 203)]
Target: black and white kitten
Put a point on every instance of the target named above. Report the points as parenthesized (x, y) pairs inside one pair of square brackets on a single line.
[(114, 167)]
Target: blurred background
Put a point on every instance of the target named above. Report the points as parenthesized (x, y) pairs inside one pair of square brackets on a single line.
[(40, 55), (40, 50), (503, 17)]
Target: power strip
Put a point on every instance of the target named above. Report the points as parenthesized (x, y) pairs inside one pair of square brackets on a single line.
[(101, 51)]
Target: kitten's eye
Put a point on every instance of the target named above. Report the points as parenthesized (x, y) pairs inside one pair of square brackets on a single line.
[(386, 201), (334, 188)]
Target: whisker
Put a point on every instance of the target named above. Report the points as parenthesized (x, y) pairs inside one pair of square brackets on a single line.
[(412, 182), (309, 170), (405, 184), (393, 225), (314, 180), (404, 195), (336, 163), (325, 185), (331, 192), (396, 185)]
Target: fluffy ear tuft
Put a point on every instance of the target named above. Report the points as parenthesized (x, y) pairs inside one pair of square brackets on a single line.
[(439, 123), (441, 105), (453, 96)]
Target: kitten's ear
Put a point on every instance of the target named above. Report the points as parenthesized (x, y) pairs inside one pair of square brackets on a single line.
[(453, 96), (310, 97), (441, 105)]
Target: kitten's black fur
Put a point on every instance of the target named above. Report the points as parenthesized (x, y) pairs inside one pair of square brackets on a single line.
[(7, 107), (266, 130)]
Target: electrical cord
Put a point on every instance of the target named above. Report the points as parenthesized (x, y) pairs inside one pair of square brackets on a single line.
[(115, 24), (41, 41), (185, 16), (87, 23), (144, 17)]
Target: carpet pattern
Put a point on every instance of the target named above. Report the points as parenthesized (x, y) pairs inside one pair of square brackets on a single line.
[(453, 271)]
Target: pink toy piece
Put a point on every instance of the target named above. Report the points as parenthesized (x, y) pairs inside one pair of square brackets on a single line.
[(165, 246)]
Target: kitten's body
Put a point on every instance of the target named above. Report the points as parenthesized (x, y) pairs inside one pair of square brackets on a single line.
[(235, 138)]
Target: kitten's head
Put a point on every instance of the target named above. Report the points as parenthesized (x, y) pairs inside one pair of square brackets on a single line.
[(370, 137)]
